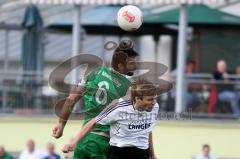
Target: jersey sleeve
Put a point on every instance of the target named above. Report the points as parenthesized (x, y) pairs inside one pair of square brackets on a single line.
[(89, 77), (108, 116), (92, 75)]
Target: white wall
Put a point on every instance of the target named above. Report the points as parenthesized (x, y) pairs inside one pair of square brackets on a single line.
[(164, 49)]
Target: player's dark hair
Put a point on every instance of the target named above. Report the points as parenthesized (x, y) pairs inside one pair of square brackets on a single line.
[(122, 52), (141, 88), (119, 58), (126, 46)]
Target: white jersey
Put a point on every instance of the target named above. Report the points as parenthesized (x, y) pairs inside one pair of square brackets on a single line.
[(36, 154), (129, 127)]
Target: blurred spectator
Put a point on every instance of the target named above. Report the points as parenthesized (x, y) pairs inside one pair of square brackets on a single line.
[(32, 152), (4, 154), (191, 67), (238, 71), (51, 152), (237, 86), (192, 98), (206, 153), (225, 91)]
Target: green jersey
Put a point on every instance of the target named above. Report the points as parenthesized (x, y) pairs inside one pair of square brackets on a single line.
[(102, 87)]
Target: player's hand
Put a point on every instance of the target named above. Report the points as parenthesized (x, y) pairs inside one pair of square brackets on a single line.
[(67, 148), (57, 131)]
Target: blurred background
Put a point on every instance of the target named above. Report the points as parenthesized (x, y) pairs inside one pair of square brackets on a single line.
[(202, 54)]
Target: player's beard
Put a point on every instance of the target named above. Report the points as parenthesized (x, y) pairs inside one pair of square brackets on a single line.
[(130, 73)]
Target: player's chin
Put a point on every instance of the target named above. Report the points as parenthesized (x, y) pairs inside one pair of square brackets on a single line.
[(149, 109)]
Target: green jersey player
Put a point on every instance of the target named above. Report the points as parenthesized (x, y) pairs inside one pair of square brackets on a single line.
[(101, 87)]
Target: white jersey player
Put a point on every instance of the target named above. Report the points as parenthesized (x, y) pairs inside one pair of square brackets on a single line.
[(131, 123)]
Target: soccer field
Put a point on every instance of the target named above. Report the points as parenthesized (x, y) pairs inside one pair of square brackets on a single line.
[(182, 140)]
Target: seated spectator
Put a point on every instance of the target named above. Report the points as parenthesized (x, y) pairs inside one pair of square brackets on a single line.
[(238, 71), (51, 152), (32, 152), (192, 98), (4, 154), (206, 153), (237, 86), (226, 91)]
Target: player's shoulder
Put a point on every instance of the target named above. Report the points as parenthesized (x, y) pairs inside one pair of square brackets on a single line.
[(104, 71), (125, 102), (124, 105), (114, 109), (104, 68), (94, 73)]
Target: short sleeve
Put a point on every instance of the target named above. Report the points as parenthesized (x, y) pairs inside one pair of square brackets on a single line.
[(90, 77), (108, 116)]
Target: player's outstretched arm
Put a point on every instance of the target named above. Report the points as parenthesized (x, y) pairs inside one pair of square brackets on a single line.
[(84, 131), (67, 109)]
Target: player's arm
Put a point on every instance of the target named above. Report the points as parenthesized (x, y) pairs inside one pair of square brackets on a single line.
[(106, 117), (71, 100), (151, 149), (69, 103), (84, 131)]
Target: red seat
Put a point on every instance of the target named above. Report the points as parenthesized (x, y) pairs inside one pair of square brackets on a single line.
[(212, 102)]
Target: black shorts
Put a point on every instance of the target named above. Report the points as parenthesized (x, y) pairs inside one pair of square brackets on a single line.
[(128, 153)]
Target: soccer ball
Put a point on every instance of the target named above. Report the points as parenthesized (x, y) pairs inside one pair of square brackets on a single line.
[(129, 18)]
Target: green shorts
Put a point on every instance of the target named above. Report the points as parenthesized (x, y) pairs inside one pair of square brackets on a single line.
[(93, 146)]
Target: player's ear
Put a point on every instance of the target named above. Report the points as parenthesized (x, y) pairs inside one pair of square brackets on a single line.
[(120, 67), (137, 99)]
